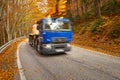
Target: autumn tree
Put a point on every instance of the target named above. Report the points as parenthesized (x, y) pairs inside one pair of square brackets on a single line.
[(14, 15), (97, 9)]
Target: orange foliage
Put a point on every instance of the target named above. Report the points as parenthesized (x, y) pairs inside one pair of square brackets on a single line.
[(100, 41), (7, 62), (41, 9), (62, 7)]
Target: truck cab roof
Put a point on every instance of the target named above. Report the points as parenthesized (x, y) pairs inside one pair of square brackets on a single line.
[(61, 19)]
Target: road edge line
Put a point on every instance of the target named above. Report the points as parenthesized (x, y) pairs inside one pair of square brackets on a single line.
[(21, 72)]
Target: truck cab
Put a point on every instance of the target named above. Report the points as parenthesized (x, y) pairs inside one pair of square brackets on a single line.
[(55, 35)]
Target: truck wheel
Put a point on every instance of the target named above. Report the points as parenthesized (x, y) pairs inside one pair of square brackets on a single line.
[(39, 49), (36, 44)]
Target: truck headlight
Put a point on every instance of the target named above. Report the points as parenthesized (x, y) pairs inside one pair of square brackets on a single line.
[(47, 46), (68, 45)]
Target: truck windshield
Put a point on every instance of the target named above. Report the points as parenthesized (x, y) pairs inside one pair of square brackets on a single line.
[(57, 25)]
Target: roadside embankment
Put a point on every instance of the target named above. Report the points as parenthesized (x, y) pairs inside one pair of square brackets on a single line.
[(8, 66)]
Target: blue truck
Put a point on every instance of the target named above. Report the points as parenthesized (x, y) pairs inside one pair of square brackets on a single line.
[(55, 35)]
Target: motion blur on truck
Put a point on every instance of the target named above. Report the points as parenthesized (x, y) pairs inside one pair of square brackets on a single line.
[(51, 35)]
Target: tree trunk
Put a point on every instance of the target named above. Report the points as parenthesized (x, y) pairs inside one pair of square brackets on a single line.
[(97, 9)]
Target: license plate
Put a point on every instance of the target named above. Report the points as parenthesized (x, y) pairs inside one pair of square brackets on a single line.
[(59, 50)]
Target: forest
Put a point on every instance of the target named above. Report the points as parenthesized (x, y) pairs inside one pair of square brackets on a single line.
[(13, 19), (95, 22), (95, 26)]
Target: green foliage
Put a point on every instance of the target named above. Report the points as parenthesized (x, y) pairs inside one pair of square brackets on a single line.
[(111, 7), (83, 30), (69, 15), (77, 17), (114, 32), (87, 15), (96, 24), (75, 29)]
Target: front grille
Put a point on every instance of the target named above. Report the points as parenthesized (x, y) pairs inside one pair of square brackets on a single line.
[(59, 46), (57, 40)]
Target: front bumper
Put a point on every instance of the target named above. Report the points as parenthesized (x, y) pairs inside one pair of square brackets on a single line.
[(56, 48)]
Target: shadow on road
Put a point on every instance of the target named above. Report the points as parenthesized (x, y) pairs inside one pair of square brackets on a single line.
[(53, 55)]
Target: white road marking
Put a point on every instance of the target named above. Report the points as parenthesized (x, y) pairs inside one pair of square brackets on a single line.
[(21, 72)]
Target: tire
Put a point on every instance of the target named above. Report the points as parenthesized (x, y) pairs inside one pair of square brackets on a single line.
[(36, 42), (39, 49)]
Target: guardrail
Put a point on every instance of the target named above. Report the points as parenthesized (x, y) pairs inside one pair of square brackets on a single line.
[(7, 44)]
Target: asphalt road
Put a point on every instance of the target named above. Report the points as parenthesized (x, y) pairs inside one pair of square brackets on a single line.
[(79, 64)]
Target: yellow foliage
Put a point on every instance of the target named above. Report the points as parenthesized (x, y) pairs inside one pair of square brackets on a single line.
[(7, 62), (52, 7), (62, 7), (40, 9)]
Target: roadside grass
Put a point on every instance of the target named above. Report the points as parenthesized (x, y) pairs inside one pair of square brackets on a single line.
[(8, 67), (95, 25), (114, 32)]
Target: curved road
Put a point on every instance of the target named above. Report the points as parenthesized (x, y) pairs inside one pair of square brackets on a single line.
[(79, 64)]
